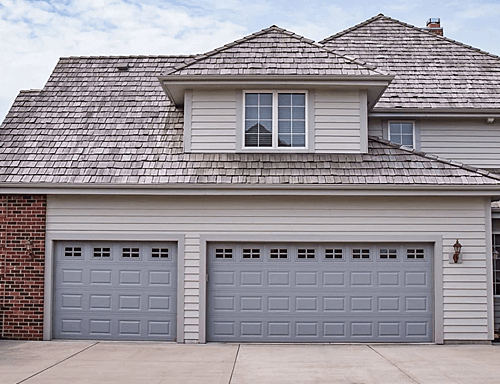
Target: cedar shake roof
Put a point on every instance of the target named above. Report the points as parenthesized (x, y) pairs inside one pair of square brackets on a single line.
[(431, 71), (95, 124), (273, 51)]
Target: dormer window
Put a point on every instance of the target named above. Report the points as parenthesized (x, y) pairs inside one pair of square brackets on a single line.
[(275, 119), (402, 132)]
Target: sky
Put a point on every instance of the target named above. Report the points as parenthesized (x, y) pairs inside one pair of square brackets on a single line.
[(34, 34)]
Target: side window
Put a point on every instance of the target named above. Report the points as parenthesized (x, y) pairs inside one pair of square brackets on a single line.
[(402, 133), (258, 120)]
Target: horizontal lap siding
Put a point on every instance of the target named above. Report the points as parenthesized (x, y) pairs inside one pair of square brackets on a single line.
[(472, 142), (337, 122), (213, 121), (464, 285)]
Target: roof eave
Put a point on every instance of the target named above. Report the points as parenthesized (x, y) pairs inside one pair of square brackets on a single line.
[(491, 190), (436, 112), (175, 86)]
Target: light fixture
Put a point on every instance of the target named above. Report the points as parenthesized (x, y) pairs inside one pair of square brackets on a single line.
[(29, 248), (457, 247)]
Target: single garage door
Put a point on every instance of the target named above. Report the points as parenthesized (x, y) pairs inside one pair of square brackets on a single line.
[(115, 291), (320, 292)]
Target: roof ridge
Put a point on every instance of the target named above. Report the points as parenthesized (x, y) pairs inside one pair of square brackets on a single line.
[(273, 27), (429, 156), (419, 29)]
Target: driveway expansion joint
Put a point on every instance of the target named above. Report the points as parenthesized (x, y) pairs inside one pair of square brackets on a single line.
[(385, 358), (234, 364), (59, 362)]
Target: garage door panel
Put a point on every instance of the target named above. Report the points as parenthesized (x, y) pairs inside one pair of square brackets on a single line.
[(341, 292), (127, 292)]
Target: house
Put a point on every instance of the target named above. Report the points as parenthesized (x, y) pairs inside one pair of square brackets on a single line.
[(272, 190)]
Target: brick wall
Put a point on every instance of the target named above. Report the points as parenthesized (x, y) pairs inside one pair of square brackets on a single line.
[(22, 219)]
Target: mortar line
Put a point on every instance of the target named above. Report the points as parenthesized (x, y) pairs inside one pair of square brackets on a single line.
[(401, 369), (234, 364), (59, 362)]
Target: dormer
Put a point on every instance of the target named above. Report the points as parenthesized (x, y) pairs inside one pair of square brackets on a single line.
[(275, 91)]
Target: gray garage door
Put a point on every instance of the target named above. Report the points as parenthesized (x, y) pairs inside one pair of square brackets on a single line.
[(320, 292), (115, 291)]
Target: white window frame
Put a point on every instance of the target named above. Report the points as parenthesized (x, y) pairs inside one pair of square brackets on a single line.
[(414, 141), (275, 146)]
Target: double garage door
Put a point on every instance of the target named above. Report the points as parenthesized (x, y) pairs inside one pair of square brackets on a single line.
[(115, 291), (320, 293)]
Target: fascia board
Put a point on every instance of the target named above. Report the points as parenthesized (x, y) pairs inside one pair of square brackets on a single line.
[(435, 113), (227, 190)]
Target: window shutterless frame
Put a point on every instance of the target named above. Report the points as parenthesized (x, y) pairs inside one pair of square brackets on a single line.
[(275, 119), (401, 133)]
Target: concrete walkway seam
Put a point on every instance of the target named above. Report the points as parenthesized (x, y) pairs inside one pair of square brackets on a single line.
[(59, 362), (234, 364), (402, 370)]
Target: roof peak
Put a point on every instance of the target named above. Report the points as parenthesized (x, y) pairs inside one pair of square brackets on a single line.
[(402, 23), (272, 28)]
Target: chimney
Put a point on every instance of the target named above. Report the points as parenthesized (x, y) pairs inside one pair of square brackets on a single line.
[(434, 25)]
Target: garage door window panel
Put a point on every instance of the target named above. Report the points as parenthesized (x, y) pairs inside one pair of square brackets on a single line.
[(279, 254), (251, 253), (361, 254), (160, 253), (131, 253), (388, 254), (334, 254), (224, 254), (73, 252), (102, 252), (415, 254), (306, 254)]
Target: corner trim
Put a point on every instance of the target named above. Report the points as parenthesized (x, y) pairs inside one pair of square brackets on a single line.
[(188, 104), (363, 121), (489, 269)]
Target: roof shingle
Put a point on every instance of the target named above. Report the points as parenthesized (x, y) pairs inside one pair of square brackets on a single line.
[(431, 71)]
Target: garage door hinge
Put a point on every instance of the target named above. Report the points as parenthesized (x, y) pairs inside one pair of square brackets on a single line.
[(206, 277)]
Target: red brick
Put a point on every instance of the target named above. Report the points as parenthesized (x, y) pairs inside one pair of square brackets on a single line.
[(22, 218)]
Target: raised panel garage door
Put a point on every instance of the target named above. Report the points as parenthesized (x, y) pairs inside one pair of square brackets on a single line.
[(320, 292), (115, 291)]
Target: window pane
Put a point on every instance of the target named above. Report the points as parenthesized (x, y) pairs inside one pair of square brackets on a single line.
[(299, 113), (285, 140), (299, 126), (284, 113), (251, 126), (251, 140), (265, 126), (265, 98), (284, 99), (407, 129), (299, 99), (251, 98), (266, 113), (251, 113), (407, 141), (395, 129), (284, 126), (265, 140), (298, 140)]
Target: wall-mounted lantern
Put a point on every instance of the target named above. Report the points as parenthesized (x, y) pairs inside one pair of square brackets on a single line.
[(457, 247), (496, 254)]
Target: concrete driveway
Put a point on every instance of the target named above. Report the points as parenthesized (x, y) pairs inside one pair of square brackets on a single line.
[(119, 362)]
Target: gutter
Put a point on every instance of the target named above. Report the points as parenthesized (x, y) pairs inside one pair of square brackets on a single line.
[(252, 190)]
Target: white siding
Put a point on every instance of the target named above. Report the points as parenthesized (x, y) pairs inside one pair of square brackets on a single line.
[(337, 122), (213, 121), (464, 285), (468, 141), (472, 142)]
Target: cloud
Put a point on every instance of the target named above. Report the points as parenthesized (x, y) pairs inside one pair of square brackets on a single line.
[(40, 32)]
